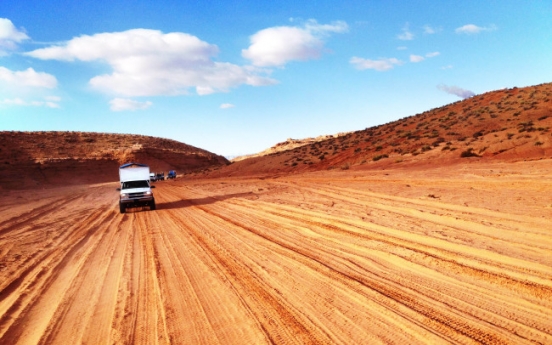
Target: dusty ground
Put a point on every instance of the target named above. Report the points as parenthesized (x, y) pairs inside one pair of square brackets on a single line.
[(458, 254)]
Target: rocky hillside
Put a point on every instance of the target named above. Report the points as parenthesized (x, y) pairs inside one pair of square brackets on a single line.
[(287, 145), (509, 124), (30, 159)]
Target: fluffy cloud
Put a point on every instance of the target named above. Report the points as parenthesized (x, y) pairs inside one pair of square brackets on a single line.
[(123, 104), (277, 46), (149, 62), (9, 36), (27, 78), (378, 65), (455, 90), (432, 54), (473, 29), (227, 106)]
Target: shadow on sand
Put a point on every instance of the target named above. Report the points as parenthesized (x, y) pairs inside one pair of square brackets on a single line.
[(200, 201)]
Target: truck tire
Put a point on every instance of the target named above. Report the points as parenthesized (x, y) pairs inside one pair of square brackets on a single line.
[(122, 208), (152, 205)]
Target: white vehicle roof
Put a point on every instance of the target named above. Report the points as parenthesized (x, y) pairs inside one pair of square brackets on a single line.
[(134, 172)]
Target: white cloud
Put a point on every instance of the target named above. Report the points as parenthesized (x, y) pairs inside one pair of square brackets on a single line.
[(378, 65), (473, 29), (277, 46), (447, 67), (149, 62), (12, 101), (9, 36), (416, 58), (428, 29), (123, 104), (227, 106), (406, 35), (49, 102), (53, 98), (27, 78), (457, 91), (432, 54)]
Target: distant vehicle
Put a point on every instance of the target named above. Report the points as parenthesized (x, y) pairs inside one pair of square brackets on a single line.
[(171, 175), (161, 176), (135, 188), (153, 177)]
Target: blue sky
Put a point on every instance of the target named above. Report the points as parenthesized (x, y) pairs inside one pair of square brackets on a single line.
[(236, 77)]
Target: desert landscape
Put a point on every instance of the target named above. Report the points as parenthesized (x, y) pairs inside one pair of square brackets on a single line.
[(433, 229)]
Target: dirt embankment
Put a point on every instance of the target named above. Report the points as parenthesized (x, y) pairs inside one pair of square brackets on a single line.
[(46, 159), (457, 254)]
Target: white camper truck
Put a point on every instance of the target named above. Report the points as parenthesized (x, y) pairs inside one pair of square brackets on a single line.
[(135, 186)]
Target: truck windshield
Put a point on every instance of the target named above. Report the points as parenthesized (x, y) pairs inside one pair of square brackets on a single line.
[(135, 184)]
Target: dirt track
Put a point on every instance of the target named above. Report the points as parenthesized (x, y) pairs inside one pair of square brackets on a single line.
[(443, 256)]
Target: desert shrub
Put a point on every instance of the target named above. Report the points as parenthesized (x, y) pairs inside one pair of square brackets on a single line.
[(378, 157), (438, 142), (538, 143), (469, 153)]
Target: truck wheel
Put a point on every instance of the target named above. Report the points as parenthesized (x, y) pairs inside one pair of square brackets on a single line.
[(152, 205), (122, 208)]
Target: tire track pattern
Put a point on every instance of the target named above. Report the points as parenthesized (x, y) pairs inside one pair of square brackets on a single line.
[(271, 262)]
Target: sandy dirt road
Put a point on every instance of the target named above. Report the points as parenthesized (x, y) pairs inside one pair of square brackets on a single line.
[(457, 255)]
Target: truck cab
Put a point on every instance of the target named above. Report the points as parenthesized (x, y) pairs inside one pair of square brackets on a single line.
[(135, 190)]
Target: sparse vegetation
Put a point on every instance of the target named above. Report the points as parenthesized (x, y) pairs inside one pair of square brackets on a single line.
[(469, 153), (378, 157)]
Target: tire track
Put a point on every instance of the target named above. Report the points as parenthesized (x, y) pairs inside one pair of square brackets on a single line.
[(288, 261), (298, 218)]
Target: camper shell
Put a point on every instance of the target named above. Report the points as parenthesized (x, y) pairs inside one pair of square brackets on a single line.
[(135, 190)]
